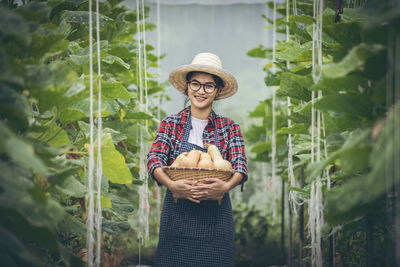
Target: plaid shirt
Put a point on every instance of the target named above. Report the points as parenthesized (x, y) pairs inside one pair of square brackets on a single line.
[(169, 137)]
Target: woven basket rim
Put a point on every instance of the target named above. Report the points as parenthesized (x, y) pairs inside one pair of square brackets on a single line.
[(197, 169)]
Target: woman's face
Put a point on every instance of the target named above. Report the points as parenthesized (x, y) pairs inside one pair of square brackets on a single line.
[(201, 99)]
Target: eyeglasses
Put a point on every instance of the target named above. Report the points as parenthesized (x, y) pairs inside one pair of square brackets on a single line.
[(208, 87)]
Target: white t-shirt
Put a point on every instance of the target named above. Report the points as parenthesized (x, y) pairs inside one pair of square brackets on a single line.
[(196, 132)]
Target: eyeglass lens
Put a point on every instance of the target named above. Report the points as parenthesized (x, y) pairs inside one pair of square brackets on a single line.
[(208, 87)]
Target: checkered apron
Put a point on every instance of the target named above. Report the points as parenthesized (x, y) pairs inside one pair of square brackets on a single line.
[(192, 234)]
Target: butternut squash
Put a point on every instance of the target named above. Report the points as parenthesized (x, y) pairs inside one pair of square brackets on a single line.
[(178, 161), (191, 159), (219, 162), (205, 161)]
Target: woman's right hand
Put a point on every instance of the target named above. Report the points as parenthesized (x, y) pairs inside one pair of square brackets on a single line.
[(184, 189)]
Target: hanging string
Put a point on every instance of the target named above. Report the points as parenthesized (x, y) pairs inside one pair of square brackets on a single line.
[(273, 153), (99, 173), (145, 195), (273, 179), (294, 7), (94, 220), (158, 188), (159, 57), (315, 222), (317, 41), (293, 199), (143, 233), (89, 197), (315, 212)]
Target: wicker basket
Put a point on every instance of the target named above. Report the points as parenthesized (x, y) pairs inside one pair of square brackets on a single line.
[(197, 174)]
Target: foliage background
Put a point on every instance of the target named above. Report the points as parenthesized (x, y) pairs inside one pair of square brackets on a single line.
[(44, 111)]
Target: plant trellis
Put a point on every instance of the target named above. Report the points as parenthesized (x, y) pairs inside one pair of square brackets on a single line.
[(315, 211), (94, 220), (143, 233)]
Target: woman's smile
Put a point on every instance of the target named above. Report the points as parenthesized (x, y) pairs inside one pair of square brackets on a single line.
[(200, 100)]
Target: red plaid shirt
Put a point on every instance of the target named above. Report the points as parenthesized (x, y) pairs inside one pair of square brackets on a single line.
[(169, 137)]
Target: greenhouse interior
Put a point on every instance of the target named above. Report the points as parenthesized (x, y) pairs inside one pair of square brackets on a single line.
[(96, 160)]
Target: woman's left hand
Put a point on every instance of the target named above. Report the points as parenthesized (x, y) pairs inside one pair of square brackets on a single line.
[(211, 189)]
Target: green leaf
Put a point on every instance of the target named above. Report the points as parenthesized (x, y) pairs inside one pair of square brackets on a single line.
[(115, 228), (114, 166), (114, 90), (20, 194), (348, 83), (110, 59), (72, 225), (82, 17), (155, 90), (344, 202), (298, 128), (353, 104), (259, 111), (345, 32), (107, 107), (261, 147), (106, 202), (293, 51), (72, 187), (353, 61), (20, 151), (71, 115), (13, 24), (15, 108), (295, 86), (351, 157), (305, 19), (138, 115), (54, 135), (259, 52)]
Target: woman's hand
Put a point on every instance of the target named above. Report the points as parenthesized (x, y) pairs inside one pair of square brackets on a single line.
[(212, 188), (185, 189)]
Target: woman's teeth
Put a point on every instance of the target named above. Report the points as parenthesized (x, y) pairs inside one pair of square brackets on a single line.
[(200, 98)]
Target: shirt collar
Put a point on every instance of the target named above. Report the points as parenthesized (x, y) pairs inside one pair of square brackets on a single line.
[(186, 114)]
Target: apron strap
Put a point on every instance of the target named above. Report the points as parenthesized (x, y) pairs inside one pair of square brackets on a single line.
[(188, 125)]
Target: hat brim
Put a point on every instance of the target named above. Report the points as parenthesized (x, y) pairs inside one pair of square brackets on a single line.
[(177, 77)]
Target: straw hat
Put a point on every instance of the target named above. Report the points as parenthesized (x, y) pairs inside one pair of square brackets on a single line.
[(209, 63)]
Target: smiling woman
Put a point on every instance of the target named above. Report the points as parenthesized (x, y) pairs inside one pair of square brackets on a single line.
[(196, 231)]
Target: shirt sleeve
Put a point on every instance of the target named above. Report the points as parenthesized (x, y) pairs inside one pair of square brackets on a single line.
[(236, 152), (160, 149)]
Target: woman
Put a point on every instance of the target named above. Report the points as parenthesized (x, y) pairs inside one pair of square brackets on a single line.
[(196, 231)]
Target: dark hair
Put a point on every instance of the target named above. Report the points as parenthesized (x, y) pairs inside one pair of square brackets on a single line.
[(218, 82)]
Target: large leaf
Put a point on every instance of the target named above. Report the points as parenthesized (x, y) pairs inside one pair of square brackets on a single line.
[(114, 90), (115, 228), (348, 83), (351, 158), (72, 187), (295, 86), (107, 107), (14, 107), (13, 24), (114, 166), (298, 128), (19, 193), (343, 202), (258, 52), (353, 61), (293, 51), (19, 150), (54, 135), (357, 105)]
